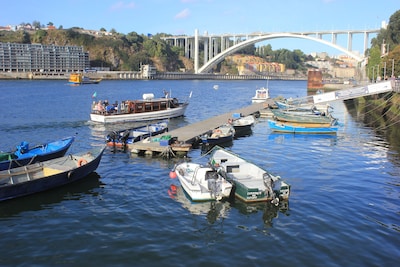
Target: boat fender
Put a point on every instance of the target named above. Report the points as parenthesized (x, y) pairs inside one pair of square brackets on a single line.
[(81, 162), (172, 174)]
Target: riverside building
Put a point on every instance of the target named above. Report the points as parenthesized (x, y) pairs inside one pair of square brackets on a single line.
[(40, 58)]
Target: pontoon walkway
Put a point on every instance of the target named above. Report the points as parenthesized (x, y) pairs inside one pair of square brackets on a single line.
[(188, 134)]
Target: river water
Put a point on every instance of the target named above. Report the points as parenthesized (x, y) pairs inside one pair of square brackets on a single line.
[(343, 210)]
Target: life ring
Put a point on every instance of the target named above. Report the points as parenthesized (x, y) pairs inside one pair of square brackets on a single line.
[(81, 162)]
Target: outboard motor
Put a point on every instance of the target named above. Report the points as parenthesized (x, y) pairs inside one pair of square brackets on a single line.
[(124, 137), (23, 147), (269, 183), (112, 136)]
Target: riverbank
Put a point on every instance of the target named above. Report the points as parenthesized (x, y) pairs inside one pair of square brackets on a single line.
[(381, 112), (137, 75)]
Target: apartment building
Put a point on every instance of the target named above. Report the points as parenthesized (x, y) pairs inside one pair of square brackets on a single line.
[(16, 57)]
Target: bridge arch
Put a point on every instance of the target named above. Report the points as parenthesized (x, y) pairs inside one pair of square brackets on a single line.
[(221, 56)]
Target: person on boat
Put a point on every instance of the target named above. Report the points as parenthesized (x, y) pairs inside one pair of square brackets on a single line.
[(118, 107), (165, 93), (99, 107)]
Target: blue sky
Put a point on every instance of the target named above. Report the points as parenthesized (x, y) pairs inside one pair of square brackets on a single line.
[(213, 16)]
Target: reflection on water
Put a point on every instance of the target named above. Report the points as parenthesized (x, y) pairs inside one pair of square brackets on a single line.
[(270, 211), (291, 136), (243, 133), (205, 148), (44, 200), (212, 209), (220, 209)]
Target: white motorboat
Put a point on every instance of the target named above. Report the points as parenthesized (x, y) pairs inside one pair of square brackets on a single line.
[(202, 183)]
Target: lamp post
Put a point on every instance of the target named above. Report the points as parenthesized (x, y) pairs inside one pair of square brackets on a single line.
[(384, 71), (392, 67), (377, 72), (373, 72)]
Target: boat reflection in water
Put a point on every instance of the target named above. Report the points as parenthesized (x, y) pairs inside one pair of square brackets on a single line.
[(270, 211), (47, 199), (215, 210), (212, 209), (205, 148)]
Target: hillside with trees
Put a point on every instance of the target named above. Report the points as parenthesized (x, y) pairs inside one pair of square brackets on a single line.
[(384, 54)]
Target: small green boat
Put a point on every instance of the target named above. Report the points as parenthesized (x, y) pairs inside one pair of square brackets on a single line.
[(252, 183), (302, 116)]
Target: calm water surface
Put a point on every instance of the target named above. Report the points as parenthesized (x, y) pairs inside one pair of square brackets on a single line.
[(343, 210)]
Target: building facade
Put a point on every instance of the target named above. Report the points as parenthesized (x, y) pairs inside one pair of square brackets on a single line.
[(16, 57)]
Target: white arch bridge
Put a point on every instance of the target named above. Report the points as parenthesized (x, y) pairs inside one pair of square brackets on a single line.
[(217, 47)]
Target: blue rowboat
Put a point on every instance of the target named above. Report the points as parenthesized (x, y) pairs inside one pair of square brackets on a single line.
[(24, 155)]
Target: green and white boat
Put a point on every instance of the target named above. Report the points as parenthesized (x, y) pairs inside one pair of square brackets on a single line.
[(252, 183)]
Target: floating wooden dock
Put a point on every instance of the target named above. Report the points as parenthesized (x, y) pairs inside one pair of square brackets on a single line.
[(187, 135)]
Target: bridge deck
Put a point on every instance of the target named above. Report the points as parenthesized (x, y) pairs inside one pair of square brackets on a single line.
[(188, 134)]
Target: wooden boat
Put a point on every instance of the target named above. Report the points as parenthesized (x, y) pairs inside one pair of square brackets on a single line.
[(130, 136), (252, 183), (146, 109), (219, 135), (25, 155), (48, 174), (79, 78), (302, 116), (201, 183), (261, 95), (303, 128)]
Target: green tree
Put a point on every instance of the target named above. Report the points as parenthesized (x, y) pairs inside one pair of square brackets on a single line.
[(39, 36), (393, 30), (36, 24), (374, 60)]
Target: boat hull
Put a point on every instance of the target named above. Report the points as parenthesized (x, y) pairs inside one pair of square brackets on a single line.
[(43, 176), (40, 153), (282, 127), (243, 124), (144, 116), (216, 140), (221, 135)]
